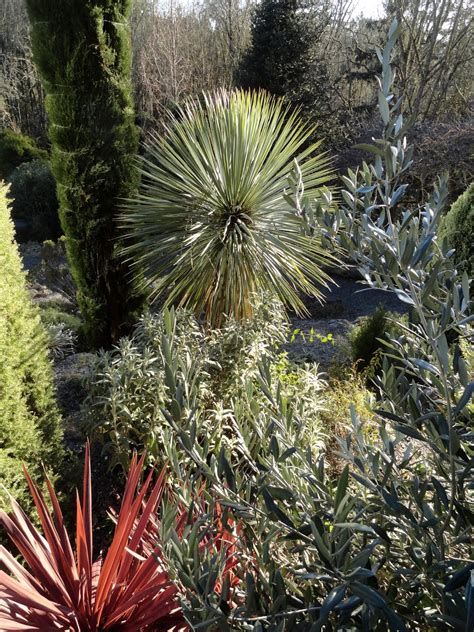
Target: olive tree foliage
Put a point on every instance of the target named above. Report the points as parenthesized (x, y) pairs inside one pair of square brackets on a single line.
[(435, 59), (388, 546)]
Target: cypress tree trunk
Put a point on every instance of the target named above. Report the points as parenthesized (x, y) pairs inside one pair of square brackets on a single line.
[(82, 50)]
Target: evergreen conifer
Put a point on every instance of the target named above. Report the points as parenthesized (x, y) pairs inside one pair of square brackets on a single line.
[(281, 57), (82, 50)]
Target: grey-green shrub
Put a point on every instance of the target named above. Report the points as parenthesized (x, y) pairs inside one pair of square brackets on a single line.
[(458, 228), (388, 544), (16, 148), (52, 316), (33, 195), (30, 423), (129, 392), (62, 341)]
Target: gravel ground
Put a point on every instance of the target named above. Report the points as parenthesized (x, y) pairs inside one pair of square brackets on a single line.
[(345, 301), (31, 254), (349, 299)]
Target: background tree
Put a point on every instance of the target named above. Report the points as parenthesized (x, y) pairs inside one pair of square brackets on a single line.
[(299, 50), (280, 57), (230, 22), (435, 60), (83, 53), (181, 49), (21, 93)]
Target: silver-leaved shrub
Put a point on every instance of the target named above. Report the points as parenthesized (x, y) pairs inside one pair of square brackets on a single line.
[(208, 382), (388, 545)]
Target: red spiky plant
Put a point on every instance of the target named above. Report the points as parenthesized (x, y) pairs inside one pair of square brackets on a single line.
[(127, 591)]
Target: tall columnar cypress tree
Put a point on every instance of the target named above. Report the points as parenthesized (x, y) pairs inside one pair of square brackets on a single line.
[(82, 50)]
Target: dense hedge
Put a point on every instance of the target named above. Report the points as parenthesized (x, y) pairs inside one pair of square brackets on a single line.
[(16, 149), (30, 424), (458, 227), (34, 200)]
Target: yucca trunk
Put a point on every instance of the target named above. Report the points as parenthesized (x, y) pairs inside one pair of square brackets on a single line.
[(82, 50)]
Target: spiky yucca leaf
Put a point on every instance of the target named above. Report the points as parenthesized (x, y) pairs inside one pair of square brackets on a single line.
[(128, 590), (210, 225)]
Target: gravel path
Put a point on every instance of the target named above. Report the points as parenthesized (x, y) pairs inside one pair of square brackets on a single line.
[(344, 304), (349, 299), (346, 299), (31, 254)]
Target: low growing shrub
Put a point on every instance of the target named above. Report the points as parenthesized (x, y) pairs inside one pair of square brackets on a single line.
[(130, 391), (51, 315), (368, 339), (16, 149), (30, 424), (54, 270), (342, 393), (33, 195), (62, 341), (458, 228)]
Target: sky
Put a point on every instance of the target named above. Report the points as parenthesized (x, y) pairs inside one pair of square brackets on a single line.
[(369, 8)]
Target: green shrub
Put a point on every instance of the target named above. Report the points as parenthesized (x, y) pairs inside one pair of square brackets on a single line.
[(366, 338), (64, 331), (15, 149), (458, 228), (51, 315), (33, 195), (30, 424), (129, 392)]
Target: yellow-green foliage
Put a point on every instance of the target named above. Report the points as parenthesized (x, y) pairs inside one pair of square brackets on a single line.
[(458, 227), (342, 392), (30, 424)]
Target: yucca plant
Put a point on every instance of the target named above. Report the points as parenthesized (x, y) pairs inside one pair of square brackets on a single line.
[(212, 224), (127, 590)]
